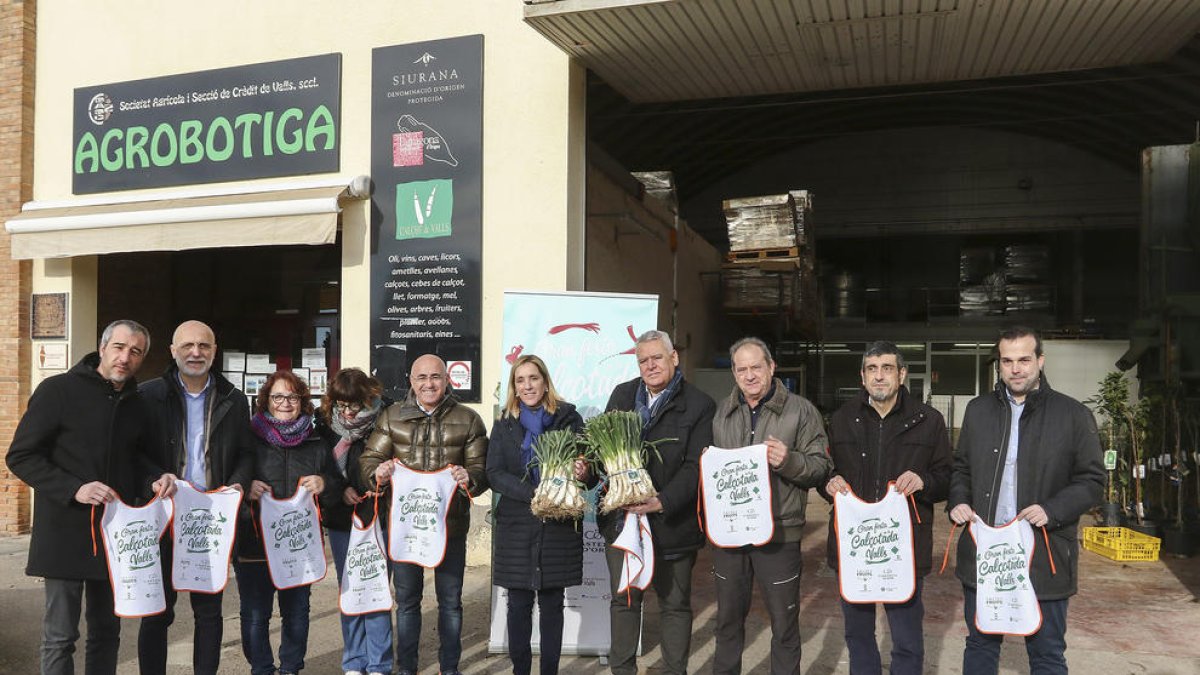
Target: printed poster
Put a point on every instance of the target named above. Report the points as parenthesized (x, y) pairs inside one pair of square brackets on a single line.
[(586, 340)]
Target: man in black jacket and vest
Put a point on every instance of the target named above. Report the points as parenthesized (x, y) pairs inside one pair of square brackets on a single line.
[(681, 416), (203, 425), (1026, 452), (85, 440), (884, 435)]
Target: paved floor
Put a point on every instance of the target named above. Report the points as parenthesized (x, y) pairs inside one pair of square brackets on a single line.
[(1127, 618)]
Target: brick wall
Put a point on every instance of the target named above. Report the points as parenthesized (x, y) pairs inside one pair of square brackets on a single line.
[(17, 24)]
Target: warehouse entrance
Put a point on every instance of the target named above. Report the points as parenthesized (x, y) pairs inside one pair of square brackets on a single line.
[(280, 302)]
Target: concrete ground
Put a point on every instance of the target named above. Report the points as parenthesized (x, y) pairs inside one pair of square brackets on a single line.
[(1127, 618)]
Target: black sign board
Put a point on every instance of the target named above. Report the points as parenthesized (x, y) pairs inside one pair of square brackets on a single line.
[(257, 121), (427, 215)]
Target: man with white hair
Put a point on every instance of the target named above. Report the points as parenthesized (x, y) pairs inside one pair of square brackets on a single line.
[(677, 416)]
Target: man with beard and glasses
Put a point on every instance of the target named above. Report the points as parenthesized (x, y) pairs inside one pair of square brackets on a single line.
[(882, 435), (203, 423), (1031, 453)]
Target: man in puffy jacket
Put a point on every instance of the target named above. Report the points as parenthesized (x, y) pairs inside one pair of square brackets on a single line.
[(430, 430), (203, 424), (680, 416), (886, 435), (1026, 452), (760, 409), (85, 440)]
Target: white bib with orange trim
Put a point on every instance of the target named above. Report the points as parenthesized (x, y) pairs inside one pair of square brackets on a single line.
[(365, 588), (636, 541), (295, 546), (203, 527), (1005, 602), (417, 522), (736, 485), (131, 537), (876, 562)]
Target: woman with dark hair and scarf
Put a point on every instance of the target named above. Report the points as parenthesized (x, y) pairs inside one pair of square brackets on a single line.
[(353, 400), (539, 557), (287, 452)]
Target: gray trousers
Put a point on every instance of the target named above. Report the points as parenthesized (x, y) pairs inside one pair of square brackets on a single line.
[(60, 627), (673, 584), (776, 567)]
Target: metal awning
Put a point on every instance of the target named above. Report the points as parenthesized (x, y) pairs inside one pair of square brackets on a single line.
[(286, 215), (679, 50)]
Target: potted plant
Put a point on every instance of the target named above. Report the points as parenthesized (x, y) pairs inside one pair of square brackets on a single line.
[(1112, 404)]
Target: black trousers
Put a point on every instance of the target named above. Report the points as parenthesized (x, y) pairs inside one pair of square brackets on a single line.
[(520, 629), (152, 634), (776, 569)]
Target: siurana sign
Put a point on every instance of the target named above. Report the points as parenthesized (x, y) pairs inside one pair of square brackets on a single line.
[(256, 121)]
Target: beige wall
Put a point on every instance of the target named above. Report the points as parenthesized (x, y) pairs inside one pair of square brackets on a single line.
[(629, 250), (533, 113)]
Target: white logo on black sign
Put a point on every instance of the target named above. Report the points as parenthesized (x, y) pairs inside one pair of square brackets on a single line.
[(426, 59), (100, 108)]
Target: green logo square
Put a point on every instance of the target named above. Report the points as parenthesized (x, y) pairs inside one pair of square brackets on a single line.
[(424, 209)]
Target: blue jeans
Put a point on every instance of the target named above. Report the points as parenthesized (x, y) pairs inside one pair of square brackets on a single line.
[(1046, 648), (367, 638), (60, 627), (409, 581), (258, 599), (908, 638)]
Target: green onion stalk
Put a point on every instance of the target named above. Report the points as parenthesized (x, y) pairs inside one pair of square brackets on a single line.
[(558, 495), (615, 441)]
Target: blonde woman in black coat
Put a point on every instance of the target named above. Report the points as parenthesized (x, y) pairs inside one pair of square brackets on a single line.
[(539, 558)]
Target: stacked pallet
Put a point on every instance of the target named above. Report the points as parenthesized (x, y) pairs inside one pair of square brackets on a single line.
[(770, 265), (1013, 279)]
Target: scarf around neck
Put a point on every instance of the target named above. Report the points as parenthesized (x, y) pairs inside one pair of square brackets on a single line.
[(285, 434), (534, 421), (353, 430), (641, 398)]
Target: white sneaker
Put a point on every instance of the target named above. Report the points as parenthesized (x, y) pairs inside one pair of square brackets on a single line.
[(354, 672)]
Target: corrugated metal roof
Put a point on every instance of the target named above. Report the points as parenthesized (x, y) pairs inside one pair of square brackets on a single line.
[(677, 50)]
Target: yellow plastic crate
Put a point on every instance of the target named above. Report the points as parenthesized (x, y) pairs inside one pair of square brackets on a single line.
[(1121, 544)]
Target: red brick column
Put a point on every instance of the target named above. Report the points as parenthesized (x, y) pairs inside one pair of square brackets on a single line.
[(17, 29)]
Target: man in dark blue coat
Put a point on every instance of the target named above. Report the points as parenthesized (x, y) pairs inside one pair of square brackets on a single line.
[(203, 425), (681, 416), (1026, 452), (84, 441)]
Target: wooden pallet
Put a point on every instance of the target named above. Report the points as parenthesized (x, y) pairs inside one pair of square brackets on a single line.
[(760, 254)]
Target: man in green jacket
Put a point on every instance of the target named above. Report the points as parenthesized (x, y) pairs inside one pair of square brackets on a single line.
[(760, 409), (428, 431)]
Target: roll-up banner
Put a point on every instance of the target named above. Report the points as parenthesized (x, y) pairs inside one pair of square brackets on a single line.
[(586, 340), (427, 210)]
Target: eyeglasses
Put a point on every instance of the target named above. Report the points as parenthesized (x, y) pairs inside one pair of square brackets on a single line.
[(344, 407), (280, 398)]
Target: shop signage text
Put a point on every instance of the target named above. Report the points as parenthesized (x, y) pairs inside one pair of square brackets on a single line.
[(256, 121)]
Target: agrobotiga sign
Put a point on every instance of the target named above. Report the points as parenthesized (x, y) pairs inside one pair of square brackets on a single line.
[(257, 121)]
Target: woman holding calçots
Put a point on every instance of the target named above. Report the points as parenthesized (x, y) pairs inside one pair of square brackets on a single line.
[(287, 452), (539, 559), (353, 401)]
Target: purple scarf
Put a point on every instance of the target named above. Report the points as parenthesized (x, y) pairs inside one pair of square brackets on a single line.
[(278, 432)]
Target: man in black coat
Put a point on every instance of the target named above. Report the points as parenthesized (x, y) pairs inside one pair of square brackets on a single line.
[(886, 435), (85, 440), (671, 409), (1026, 452), (203, 425)]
